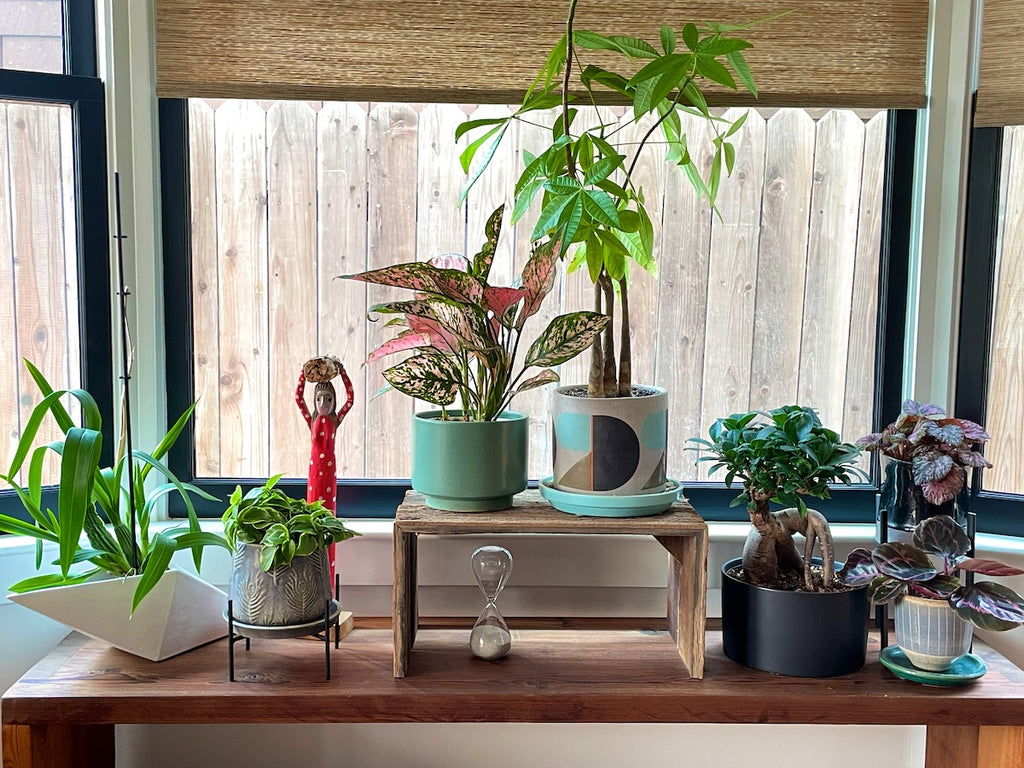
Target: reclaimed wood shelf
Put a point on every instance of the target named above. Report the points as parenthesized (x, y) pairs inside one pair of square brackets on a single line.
[(63, 711), (680, 530)]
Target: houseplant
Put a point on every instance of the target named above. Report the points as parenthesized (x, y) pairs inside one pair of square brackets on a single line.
[(934, 611), (131, 560), (591, 204), (466, 336), (779, 612), (280, 574), (926, 458)]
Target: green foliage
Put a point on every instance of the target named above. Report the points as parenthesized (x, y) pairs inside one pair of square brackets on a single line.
[(94, 500), (466, 333), (283, 527), (778, 458)]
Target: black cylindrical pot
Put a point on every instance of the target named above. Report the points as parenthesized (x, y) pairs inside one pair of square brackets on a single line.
[(903, 503), (801, 634)]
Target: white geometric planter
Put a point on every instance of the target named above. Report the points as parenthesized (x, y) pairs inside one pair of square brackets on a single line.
[(181, 613)]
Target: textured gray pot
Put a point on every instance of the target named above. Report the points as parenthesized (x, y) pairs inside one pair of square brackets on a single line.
[(613, 446), (930, 632), (280, 597)]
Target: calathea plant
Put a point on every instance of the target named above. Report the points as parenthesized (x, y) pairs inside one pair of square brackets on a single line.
[(939, 448), (466, 333), (590, 201), (779, 457), (900, 568)]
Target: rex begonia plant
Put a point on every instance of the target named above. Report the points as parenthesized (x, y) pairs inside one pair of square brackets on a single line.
[(939, 448), (466, 333), (896, 568)]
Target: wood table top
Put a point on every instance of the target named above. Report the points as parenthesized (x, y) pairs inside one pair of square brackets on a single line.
[(565, 675), (531, 513)]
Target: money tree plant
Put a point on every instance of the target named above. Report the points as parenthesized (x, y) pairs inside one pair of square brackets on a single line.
[(590, 201), (466, 333), (895, 569)]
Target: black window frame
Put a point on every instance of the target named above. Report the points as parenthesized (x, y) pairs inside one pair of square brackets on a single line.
[(380, 498), (81, 89), (1001, 513)]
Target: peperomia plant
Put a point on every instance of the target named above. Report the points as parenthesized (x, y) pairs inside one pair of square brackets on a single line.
[(284, 528), (939, 448), (589, 198), (778, 460), (466, 333), (899, 568)]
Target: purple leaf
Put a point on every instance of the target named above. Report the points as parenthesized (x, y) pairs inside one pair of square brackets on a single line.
[(915, 408), (989, 605), (903, 561), (884, 589), (402, 342), (947, 431), (859, 568), (972, 459), (974, 432), (940, 535), (988, 567), (931, 466), (941, 491), (939, 588), (538, 279), (870, 442)]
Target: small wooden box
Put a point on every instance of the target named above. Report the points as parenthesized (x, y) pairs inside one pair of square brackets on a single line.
[(680, 530)]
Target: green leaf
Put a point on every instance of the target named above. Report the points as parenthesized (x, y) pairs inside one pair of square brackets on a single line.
[(525, 199), (690, 36), (482, 164), (20, 528), (717, 46), (715, 71), (77, 472), (668, 38), (551, 216), (51, 580), (564, 338), (658, 67), (595, 257), (601, 208), (552, 66), (742, 70), (616, 82), (156, 565), (470, 125), (593, 41), (730, 157), (634, 47), (602, 169), (737, 124), (467, 155)]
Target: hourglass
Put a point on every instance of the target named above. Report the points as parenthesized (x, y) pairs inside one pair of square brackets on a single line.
[(490, 638)]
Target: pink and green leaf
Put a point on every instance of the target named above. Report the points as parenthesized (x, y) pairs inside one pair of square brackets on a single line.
[(492, 230), (538, 279), (429, 377), (564, 338), (426, 278), (544, 377), (501, 301), (401, 343)]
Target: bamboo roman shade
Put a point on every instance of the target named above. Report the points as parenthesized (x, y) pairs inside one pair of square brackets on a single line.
[(1001, 68), (843, 53)]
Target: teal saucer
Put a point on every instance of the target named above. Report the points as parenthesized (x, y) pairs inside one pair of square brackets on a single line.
[(966, 669), (593, 505)]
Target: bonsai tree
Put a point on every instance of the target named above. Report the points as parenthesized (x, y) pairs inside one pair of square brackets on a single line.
[(466, 333), (284, 528), (90, 496), (779, 457), (939, 449), (590, 201), (900, 568)]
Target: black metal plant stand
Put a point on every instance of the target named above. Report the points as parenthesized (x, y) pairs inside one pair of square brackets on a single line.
[(332, 615)]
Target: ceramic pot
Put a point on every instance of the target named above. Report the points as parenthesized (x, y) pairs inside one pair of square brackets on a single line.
[(802, 634), (280, 597), (610, 445), (469, 466), (903, 503), (930, 632)]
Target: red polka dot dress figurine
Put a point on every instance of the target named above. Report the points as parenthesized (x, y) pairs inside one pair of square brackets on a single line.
[(322, 482)]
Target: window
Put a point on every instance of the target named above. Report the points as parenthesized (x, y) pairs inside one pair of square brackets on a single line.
[(784, 298), (54, 277)]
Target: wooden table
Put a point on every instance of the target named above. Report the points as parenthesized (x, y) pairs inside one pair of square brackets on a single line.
[(680, 530), (63, 711)]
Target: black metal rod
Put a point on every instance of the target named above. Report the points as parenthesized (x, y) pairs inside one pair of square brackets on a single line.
[(327, 637), (231, 643), (337, 619), (126, 414), (882, 534)]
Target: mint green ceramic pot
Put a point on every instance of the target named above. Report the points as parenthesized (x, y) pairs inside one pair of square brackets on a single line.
[(469, 466)]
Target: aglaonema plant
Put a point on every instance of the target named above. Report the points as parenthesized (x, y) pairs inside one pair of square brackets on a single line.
[(590, 201), (465, 333), (895, 569), (94, 500)]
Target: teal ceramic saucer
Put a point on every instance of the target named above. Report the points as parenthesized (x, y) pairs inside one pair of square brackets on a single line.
[(593, 505), (966, 669)]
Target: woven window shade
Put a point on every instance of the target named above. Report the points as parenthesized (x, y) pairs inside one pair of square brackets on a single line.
[(1001, 69), (840, 53)]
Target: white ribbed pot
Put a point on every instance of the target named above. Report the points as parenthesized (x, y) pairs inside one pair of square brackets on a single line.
[(930, 632)]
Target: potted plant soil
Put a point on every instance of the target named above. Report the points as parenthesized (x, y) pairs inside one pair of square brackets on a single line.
[(280, 575), (117, 585), (934, 611), (466, 336), (783, 611), (925, 459), (610, 436)]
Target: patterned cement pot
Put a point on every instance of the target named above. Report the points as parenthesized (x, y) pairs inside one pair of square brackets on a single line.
[(280, 597), (930, 632)]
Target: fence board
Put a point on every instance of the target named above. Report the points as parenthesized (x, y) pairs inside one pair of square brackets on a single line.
[(860, 368), (242, 258), (732, 278), (36, 218), (203, 196), (69, 268), (292, 286), (392, 141), (491, 190), (342, 303), (683, 249), (775, 363), (830, 259), (440, 225), (9, 361), (1005, 418)]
